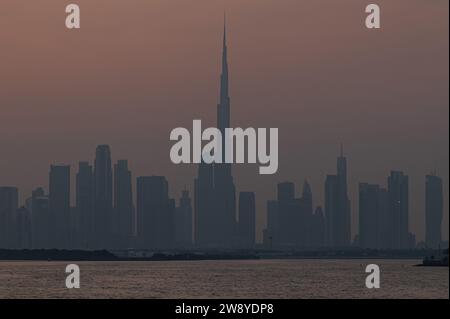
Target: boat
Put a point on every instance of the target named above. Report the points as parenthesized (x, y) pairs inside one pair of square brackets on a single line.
[(431, 261)]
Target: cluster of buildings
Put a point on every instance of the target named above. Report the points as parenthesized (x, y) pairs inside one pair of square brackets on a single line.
[(106, 215), (383, 215)]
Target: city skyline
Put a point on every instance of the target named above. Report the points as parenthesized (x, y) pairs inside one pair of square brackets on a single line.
[(151, 219), (321, 123)]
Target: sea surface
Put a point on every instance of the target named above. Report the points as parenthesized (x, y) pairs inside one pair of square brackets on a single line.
[(224, 279)]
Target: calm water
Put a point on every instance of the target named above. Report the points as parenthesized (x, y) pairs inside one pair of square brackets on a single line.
[(224, 279)]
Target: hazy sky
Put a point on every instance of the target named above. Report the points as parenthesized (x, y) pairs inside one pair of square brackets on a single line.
[(137, 69)]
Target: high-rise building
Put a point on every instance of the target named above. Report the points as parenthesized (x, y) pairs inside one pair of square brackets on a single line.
[(337, 206), (215, 190), (74, 229), (289, 215), (343, 203), (155, 213), (123, 220), (85, 204), (307, 200), (374, 228), (290, 219), (318, 227), (247, 220), (331, 212), (368, 215), (272, 231), (434, 210), (306, 227), (59, 205), (399, 209), (183, 222), (385, 220), (206, 221), (38, 205), (9, 202), (23, 229), (102, 197)]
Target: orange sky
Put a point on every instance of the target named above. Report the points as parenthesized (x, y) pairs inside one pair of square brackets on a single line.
[(137, 69)]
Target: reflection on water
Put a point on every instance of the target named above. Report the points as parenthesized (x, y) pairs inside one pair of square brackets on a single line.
[(224, 279)]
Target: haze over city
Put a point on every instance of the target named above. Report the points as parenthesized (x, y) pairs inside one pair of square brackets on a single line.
[(136, 70)]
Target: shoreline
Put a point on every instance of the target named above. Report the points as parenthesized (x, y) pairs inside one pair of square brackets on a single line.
[(199, 255)]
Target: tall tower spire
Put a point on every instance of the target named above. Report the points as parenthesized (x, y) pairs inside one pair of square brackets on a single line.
[(224, 76)]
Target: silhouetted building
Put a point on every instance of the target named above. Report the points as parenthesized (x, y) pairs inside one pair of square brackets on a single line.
[(399, 209), (247, 220), (337, 206), (318, 227), (23, 229), (289, 210), (215, 191), (306, 227), (307, 200), (344, 238), (331, 212), (155, 213), (183, 222), (290, 220), (385, 220), (123, 205), (9, 201), (434, 210), (85, 204), (272, 231), (59, 204), (102, 197), (75, 240), (206, 221), (373, 213), (38, 205)]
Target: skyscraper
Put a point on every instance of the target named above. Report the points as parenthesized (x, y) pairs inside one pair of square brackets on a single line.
[(183, 222), (307, 201), (343, 202), (102, 197), (59, 205), (288, 215), (38, 205), (206, 221), (154, 212), (337, 206), (123, 205), (318, 226), (294, 216), (9, 202), (85, 204), (331, 212), (374, 228), (306, 227), (23, 228), (247, 219), (434, 209), (272, 231), (215, 190), (290, 220), (385, 220), (399, 209)]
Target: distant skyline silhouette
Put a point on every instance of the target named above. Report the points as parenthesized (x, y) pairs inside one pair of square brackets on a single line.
[(127, 82)]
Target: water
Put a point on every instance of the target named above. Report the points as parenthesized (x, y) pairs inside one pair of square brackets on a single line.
[(224, 279)]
